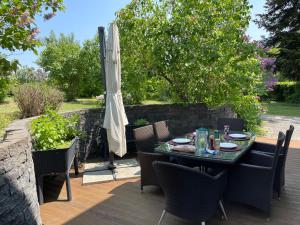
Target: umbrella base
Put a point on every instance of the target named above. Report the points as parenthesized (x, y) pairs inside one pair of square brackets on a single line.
[(111, 164)]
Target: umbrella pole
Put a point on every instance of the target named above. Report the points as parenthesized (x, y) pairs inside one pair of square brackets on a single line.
[(102, 59)]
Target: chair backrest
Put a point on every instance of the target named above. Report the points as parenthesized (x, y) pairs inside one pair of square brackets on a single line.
[(189, 194), (236, 124), (279, 146), (288, 137), (285, 149), (145, 139), (161, 130)]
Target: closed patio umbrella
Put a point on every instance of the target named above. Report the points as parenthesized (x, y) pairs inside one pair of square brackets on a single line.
[(115, 118)]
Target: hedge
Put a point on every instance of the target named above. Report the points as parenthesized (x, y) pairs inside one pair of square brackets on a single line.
[(287, 91)]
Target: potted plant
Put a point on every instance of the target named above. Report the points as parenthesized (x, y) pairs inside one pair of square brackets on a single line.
[(54, 142)]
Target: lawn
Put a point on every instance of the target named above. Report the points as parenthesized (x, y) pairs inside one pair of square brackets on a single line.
[(9, 111), (283, 109)]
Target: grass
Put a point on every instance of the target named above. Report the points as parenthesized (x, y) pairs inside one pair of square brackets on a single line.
[(283, 109), (9, 111)]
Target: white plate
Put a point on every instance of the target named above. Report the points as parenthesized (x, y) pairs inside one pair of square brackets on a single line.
[(237, 135), (227, 145), (181, 140)]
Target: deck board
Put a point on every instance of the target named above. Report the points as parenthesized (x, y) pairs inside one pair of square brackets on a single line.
[(121, 203)]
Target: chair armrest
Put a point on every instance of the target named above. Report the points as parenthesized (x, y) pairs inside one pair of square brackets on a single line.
[(259, 159), (254, 174), (263, 147)]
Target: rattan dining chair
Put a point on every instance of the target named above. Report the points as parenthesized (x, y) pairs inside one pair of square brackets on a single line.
[(251, 182), (162, 131), (189, 193), (235, 124), (144, 138), (279, 180), (145, 141)]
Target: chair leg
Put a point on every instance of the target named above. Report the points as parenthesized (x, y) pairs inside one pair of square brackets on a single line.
[(223, 210), (68, 185), (39, 186), (202, 223), (76, 165), (162, 217)]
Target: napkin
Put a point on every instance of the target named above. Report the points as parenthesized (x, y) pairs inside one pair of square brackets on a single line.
[(184, 148)]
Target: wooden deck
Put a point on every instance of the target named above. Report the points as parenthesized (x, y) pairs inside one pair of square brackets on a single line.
[(121, 203)]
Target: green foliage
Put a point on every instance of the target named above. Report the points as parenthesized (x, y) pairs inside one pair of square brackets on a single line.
[(60, 57), (287, 91), (33, 99), (247, 108), (52, 130), (28, 74), (74, 69), (4, 87), (141, 122), (196, 47), (89, 67), (281, 20), (18, 31)]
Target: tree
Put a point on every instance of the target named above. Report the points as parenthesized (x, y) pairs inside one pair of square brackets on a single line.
[(282, 21), (60, 57), (18, 30), (74, 69), (25, 74), (90, 69), (197, 47)]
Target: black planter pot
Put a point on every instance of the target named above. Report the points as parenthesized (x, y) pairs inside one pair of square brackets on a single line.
[(55, 161)]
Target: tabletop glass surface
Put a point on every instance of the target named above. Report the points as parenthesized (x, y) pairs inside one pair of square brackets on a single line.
[(219, 155)]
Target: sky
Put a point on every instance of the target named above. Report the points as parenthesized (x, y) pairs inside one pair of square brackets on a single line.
[(82, 17)]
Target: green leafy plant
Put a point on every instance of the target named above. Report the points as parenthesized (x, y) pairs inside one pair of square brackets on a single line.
[(18, 27), (4, 87), (52, 130), (141, 122)]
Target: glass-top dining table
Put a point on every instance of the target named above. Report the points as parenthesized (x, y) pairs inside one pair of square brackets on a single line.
[(219, 157)]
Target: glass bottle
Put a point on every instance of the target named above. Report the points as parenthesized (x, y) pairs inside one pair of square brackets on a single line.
[(217, 139)]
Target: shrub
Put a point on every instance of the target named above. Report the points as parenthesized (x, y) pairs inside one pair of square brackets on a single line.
[(52, 130), (249, 109), (295, 97), (141, 122), (33, 99), (4, 87), (282, 91)]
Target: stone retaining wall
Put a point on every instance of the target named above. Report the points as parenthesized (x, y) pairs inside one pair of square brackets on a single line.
[(182, 118), (18, 198)]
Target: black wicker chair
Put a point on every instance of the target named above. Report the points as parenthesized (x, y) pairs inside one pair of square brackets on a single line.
[(162, 132), (145, 142), (235, 124), (190, 194), (145, 139), (269, 149), (251, 182)]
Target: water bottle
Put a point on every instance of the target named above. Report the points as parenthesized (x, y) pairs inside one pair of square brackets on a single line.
[(201, 139)]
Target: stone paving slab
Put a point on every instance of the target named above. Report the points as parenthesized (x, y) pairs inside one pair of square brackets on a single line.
[(272, 124), (98, 172)]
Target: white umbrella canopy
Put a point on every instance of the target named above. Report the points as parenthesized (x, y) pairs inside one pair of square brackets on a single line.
[(115, 118)]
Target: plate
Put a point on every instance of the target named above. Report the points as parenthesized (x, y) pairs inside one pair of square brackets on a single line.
[(227, 145), (237, 136), (181, 140)]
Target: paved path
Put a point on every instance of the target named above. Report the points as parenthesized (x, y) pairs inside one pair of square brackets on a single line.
[(272, 124)]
